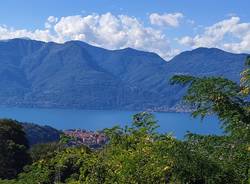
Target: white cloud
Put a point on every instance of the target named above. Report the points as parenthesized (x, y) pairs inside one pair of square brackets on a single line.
[(9, 33), (50, 21), (229, 34), (186, 41), (171, 19), (105, 30), (113, 32)]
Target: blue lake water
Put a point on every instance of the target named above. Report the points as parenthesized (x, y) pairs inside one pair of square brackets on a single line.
[(177, 123)]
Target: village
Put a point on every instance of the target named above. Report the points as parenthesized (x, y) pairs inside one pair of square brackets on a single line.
[(91, 139)]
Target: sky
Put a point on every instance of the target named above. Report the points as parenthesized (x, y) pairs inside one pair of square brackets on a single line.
[(166, 27)]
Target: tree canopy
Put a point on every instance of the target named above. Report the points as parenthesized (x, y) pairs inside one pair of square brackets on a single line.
[(13, 148)]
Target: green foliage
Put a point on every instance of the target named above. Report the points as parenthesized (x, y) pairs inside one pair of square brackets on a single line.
[(43, 151), (231, 156), (63, 167), (245, 78), (9, 182), (227, 100), (220, 96), (192, 166), (135, 154), (138, 154), (64, 139), (13, 149)]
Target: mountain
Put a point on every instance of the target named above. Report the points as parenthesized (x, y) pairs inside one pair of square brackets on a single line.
[(78, 75), (37, 134)]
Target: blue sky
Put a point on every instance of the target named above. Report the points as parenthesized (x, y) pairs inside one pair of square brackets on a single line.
[(166, 27)]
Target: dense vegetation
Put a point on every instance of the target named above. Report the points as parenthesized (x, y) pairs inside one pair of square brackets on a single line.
[(138, 154), (13, 148)]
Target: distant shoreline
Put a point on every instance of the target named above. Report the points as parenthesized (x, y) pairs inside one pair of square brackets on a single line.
[(169, 110)]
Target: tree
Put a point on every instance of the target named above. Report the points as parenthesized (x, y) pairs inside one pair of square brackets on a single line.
[(245, 78), (138, 154), (219, 96), (135, 154), (226, 99), (43, 151), (13, 149)]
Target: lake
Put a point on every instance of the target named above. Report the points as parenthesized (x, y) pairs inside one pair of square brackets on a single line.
[(177, 123)]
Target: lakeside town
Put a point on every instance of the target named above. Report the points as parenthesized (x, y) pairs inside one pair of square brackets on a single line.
[(93, 140)]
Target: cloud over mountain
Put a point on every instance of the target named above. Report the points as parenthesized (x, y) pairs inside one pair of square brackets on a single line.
[(120, 31), (229, 34), (105, 30)]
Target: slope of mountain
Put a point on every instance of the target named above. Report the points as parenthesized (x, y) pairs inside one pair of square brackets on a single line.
[(78, 75), (37, 134)]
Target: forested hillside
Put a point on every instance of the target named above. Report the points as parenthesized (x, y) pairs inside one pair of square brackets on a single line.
[(78, 75)]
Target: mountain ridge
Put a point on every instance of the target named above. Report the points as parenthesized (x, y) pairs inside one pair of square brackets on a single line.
[(78, 75)]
